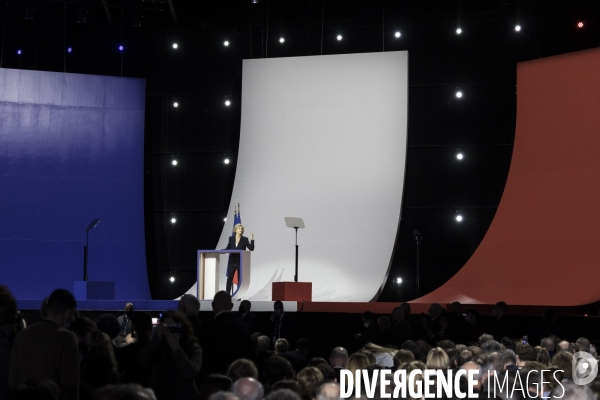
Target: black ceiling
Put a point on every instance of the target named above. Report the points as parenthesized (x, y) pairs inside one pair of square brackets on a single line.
[(201, 72)]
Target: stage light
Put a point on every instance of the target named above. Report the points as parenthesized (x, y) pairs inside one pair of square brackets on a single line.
[(580, 24), (70, 50), (339, 37), (518, 28), (175, 45), (175, 104), (255, 1), (458, 31), (174, 162), (397, 34), (226, 43), (398, 281), (226, 160), (459, 156), (172, 279), (459, 218), (224, 219), (121, 48), (227, 103), (459, 94), (19, 52), (281, 39), (173, 220)]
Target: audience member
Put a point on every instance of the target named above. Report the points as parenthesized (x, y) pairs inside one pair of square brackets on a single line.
[(290, 384), (328, 372), (384, 335), (126, 355), (546, 328), (402, 357), (502, 327), (109, 324), (8, 331), (35, 389), (248, 389), (283, 394), (338, 359), (299, 357), (438, 359), (242, 368), (126, 326), (400, 326), (213, 383), (383, 355), (223, 396), (328, 391), (309, 380), (474, 328), (280, 325), (524, 353), (277, 369), (225, 338), (97, 364), (172, 359), (189, 305), (47, 350), (129, 391), (281, 346), (584, 344), (246, 316)]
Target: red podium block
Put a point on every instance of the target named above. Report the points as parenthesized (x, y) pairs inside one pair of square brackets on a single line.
[(292, 291)]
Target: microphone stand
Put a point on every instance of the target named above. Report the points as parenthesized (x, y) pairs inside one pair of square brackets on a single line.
[(418, 239)]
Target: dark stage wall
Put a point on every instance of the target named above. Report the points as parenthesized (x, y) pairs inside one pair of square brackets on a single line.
[(71, 149), (543, 245)]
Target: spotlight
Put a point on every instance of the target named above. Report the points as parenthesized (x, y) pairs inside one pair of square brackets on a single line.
[(580, 24), (227, 103), (70, 50), (226, 43), (255, 1), (518, 28), (19, 52), (226, 160), (458, 94), (281, 39), (459, 156), (458, 31), (398, 280), (172, 279), (121, 48), (339, 37), (174, 162), (459, 218), (173, 220), (175, 104), (397, 34), (175, 45), (225, 219)]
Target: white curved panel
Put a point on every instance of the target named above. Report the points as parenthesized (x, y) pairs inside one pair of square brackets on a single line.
[(324, 139)]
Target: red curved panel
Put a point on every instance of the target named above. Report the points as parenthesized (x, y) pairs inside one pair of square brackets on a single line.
[(543, 246)]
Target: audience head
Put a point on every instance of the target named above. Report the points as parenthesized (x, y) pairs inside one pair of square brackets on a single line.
[(446, 345), (309, 380), (548, 344), (313, 362), (564, 361), (242, 368), (328, 391), (89, 336), (142, 326), (40, 389), (500, 309), (329, 374), (368, 317), (456, 308), (541, 355), (383, 323), (358, 361), (290, 384), (524, 352), (248, 389), (263, 343), (128, 391), (303, 344), (221, 302), (61, 307), (435, 310), (508, 343), (409, 345), (406, 307), (277, 369), (464, 356), (129, 309), (438, 359), (109, 324), (338, 357), (397, 314), (245, 307), (584, 344), (188, 305), (281, 346), (403, 357), (471, 315), (214, 383), (223, 396), (564, 345), (8, 306), (490, 346), (283, 394), (484, 338)]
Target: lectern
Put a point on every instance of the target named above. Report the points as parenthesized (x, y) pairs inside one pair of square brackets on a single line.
[(208, 273)]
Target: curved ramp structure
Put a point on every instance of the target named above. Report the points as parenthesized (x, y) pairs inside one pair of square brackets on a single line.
[(542, 247), (322, 138)]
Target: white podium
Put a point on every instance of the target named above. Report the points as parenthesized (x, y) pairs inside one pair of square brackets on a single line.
[(208, 273)]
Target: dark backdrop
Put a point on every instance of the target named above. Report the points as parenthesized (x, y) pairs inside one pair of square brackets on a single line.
[(202, 131)]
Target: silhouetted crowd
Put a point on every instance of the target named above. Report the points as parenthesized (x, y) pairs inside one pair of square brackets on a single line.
[(230, 357)]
